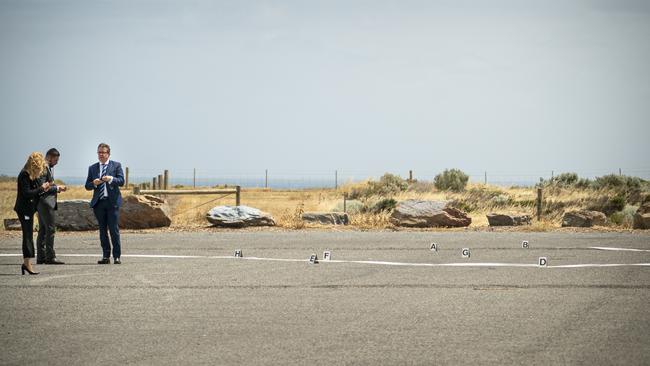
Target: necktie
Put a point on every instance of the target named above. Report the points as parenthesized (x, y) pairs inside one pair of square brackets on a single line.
[(102, 187)]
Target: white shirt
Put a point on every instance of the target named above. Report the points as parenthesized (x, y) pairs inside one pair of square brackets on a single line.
[(100, 177)]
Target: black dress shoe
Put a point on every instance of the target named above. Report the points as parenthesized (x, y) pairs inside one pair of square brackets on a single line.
[(52, 261), (40, 261), (117, 261), (104, 261)]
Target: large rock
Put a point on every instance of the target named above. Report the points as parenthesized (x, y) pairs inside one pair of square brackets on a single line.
[(584, 218), (144, 212), (327, 218), (239, 216), (507, 220), (75, 215), (137, 212), (415, 213), (12, 224), (642, 216)]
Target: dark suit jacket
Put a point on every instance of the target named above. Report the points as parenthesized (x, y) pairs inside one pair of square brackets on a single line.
[(49, 197), (27, 197), (114, 169)]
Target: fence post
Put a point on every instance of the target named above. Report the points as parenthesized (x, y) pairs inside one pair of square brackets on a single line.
[(336, 179), (410, 176), (620, 172), (539, 204), (153, 183), (194, 179), (238, 196), (485, 180), (136, 190), (160, 181), (126, 177), (345, 202), (266, 178), (166, 185)]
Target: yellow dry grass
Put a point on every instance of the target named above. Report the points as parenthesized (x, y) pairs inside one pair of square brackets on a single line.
[(287, 206)]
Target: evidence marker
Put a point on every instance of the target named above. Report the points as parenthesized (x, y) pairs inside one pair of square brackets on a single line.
[(465, 252), (434, 247), (313, 259), (238, 253), (327, 255), (524, 244), (543, 262)]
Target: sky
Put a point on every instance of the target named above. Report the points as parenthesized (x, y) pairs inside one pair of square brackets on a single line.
[(308, 87)]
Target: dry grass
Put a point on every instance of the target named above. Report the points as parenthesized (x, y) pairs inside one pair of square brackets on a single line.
[(287, 206)]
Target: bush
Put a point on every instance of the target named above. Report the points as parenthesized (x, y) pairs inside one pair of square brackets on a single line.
[(565, 179), (351, 207), (618, 182), (625, 217), (386, 204), (583, 183), (6, 178), (616, 203), (387, 186), (452, 180), (502, 200)]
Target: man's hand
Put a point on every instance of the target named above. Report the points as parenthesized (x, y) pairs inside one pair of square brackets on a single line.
[(46, 186), (62, 188), (97, 182), (107, 178)]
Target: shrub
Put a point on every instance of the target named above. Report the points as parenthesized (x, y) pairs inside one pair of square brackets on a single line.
[(387, 186), (386, 204), (565, 179), (625, 217), (616, 203), (351, 207), (502, 200), (452, 180), (617, 182), (6, 178), (583, 183)]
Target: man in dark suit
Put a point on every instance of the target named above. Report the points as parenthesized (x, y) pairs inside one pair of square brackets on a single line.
[(105, 179), (46, 206)]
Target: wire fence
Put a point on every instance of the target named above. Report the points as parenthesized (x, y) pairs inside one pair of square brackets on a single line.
[(305, 179)]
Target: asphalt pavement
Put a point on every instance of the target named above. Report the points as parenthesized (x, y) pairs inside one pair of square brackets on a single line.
[(384, 298)]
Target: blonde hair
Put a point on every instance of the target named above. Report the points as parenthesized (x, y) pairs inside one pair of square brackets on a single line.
[(35, 165)]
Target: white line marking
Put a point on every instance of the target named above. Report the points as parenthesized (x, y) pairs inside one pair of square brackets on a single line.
[(602, 265), (385, 263), (620, 249)]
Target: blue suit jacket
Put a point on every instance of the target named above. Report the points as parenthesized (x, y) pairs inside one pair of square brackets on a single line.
[(114, 169)]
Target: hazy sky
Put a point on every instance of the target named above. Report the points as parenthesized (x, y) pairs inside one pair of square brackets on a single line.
[(313, 86)]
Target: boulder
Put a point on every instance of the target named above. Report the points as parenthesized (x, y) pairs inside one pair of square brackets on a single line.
[(327, 218), (12, 224), (495, 219), (137, 212), (584, 218), (642, 216), (238, 216), (144, 212), (414, 213), (75, 215)]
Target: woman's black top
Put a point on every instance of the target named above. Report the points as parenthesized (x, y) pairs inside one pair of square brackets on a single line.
[(27, 197)]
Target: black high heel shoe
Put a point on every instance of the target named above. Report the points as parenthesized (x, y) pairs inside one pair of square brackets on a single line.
[(23, 269)]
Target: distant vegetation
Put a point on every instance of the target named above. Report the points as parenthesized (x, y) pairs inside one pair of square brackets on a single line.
[(6, 178), (451, 180)]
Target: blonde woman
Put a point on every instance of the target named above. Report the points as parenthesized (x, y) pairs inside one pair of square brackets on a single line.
[(26, 201)]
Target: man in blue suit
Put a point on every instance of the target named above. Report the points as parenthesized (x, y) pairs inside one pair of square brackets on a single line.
[(105, 179)]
